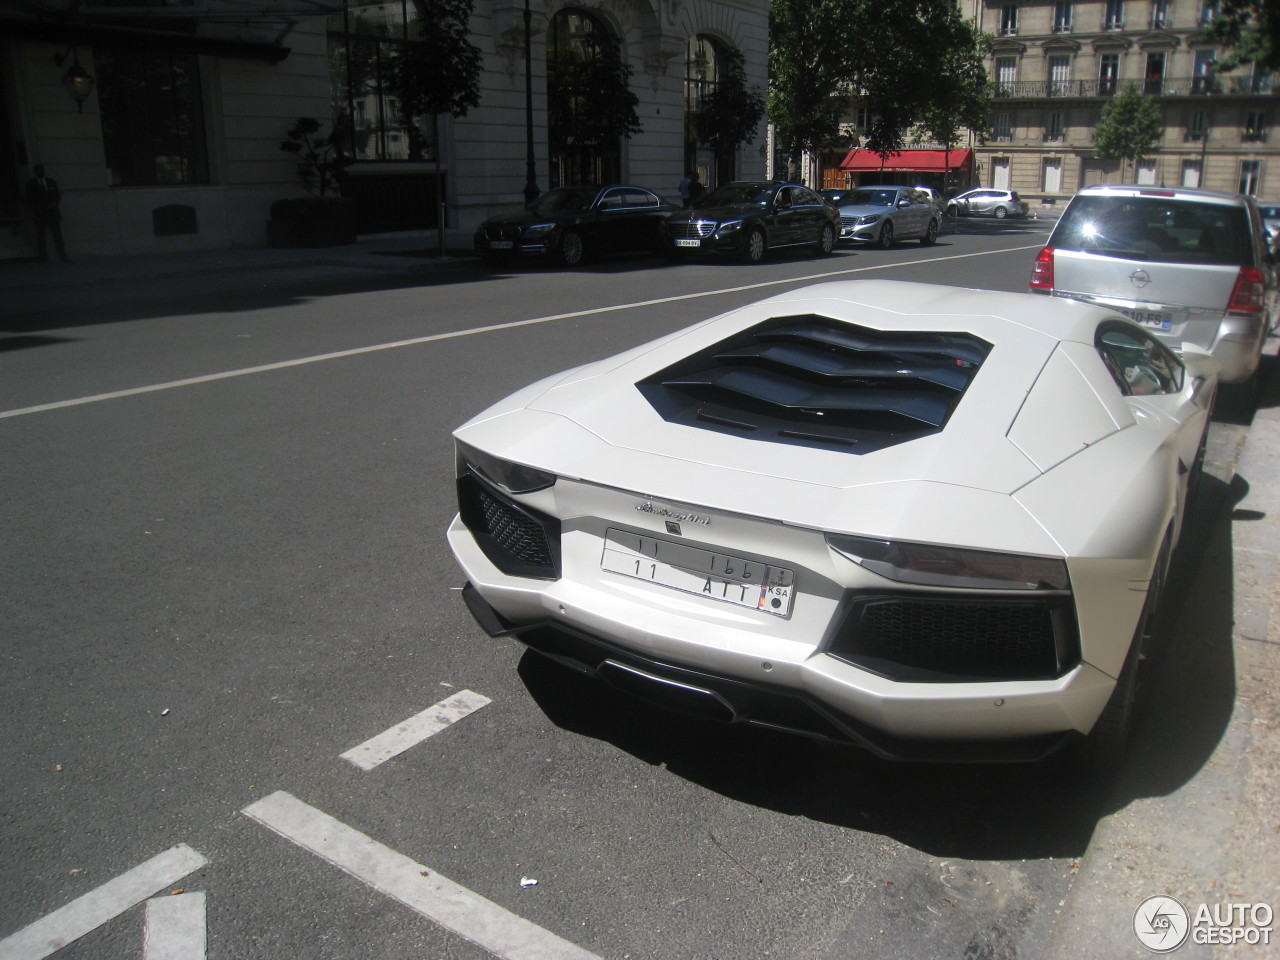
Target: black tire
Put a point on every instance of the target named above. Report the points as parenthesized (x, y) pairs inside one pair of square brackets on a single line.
[(953, 210), (886, 236), (930, 234), (1105, 748), (1001, 213), (572, 250), (754, 246), (826, 240)]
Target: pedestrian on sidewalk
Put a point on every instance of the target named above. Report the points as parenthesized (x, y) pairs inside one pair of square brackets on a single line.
[(44, 197)]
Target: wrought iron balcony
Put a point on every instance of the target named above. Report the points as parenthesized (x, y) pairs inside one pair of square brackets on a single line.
[(1152, 86)]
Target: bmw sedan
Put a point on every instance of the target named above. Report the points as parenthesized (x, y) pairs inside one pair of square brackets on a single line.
[(572, 224), (746, 219), (929, 521)]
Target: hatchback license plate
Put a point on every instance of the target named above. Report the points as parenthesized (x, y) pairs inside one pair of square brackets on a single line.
[(741, 582), (682, 242), (501, 244), (1149, 318)]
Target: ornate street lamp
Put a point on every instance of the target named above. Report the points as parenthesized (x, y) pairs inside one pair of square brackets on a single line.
[(76, 81)]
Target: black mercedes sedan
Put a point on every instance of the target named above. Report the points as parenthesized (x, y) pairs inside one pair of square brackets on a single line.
[(571, 224), (747, 218)]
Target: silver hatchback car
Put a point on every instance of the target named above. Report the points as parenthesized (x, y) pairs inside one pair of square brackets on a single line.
[(987, 202), (1193, 266)]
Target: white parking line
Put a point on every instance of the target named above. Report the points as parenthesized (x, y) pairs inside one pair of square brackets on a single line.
[(413, 731), (472, 331), (176, 928), (71, 922), (393, 874)]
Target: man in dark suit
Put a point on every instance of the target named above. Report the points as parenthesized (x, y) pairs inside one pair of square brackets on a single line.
[(44, 197)]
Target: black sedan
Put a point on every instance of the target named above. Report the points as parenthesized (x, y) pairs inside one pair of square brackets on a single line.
[(747, 218), (570, 224)]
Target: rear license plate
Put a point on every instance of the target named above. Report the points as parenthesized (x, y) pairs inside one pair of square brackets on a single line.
[(735, 580), (1149, 318), (681, 242), (502, 244)]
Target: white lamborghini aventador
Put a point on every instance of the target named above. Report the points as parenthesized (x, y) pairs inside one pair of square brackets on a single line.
[(927, 520)]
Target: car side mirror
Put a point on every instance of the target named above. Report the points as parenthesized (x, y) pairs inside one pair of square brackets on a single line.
[(904, 202)]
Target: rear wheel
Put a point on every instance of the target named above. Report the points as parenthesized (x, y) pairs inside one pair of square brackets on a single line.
[(930, 234), (1105, 747), (886, 236), (826, 240), (1001, 213), (572, 249), (755, 246)]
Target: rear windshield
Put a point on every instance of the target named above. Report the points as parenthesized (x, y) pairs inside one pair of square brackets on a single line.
[(1155, 228)]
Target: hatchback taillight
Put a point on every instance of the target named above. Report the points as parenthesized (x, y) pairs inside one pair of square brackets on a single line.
[(1042, 271), (1249, 293)]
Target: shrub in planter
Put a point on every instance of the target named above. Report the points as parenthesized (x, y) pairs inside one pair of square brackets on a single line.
[(319, 221), (312, 222)]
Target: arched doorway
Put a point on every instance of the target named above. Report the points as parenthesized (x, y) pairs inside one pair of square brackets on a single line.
[(703, 69), (580, 51)]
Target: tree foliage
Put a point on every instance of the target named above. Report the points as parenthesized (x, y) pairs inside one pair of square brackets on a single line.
[(439, 71), (320, 164), (909, 62), (1251, 28), (730, 113), (1130, 127), (590, 101)]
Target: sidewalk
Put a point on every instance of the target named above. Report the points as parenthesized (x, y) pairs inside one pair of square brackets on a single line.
[(28, 286)]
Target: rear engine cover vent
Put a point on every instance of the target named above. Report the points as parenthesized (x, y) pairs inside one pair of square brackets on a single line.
[(818, 382)]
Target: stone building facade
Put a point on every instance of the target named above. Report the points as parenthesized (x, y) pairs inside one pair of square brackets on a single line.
[(174, 140), (1056, 63)]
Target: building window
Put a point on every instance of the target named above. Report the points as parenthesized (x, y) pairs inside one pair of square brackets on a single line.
[(1009, 20), (1006, 75), (1208, 12), (1113, 18), (1002, 127), (1153, 82), (1108, 73), (578, 46), (1052, 181), (1250, 176), (367, 42), (1059, 76), (1191, 173), (1053, 127), (1202, 73), (1160, 15), (1197, 126), (702, 68), (1255, 127), (1146, 173), (1062, 17), (152, 117)]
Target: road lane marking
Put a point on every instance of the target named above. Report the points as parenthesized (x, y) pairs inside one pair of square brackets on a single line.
[(71, 922), (473, 331), (176, 928), (413, 731), (422, 890)]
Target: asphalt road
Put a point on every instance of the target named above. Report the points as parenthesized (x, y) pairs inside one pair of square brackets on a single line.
[(223, 567)]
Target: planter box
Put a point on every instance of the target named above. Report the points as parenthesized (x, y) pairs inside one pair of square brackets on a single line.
[(312, 222)]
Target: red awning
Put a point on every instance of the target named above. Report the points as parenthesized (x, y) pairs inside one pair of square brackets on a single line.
[(915, 161)]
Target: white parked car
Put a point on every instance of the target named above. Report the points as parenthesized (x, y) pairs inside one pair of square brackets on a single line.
[(930, 521)]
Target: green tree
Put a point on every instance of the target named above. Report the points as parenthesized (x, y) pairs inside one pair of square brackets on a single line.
[(808, 44), (730, 113), (1251, 28), (439, 72), (907, 61), (1130, 128)]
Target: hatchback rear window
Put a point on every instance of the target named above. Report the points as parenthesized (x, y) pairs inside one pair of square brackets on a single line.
[(1155, 228)]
